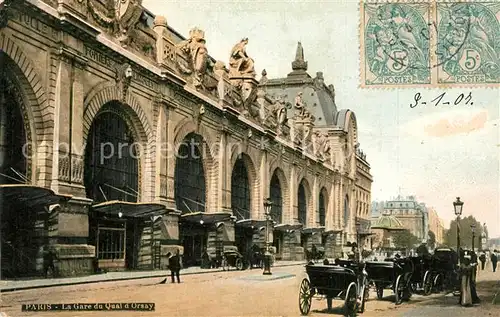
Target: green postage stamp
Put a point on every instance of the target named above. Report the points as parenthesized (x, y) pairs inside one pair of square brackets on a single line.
[(430, 43)]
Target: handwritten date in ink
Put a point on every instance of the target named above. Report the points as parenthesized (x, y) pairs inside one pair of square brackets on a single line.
[(461, 99)]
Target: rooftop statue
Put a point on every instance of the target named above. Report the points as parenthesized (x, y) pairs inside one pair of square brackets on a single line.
[(196, 53), (301, 107), (240, 64)]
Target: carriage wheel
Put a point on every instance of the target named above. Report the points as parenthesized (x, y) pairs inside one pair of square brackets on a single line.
[(380, 291), (225, 266), (351, 298), (438, 283), (239, 264), (427, 283), (305, 296), (399, 290)]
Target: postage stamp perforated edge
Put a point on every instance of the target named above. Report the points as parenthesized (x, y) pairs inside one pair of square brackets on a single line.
[(435, 83)]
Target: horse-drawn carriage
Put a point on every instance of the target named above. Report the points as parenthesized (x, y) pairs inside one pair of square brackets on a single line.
[(445, 270), (422, 277), (232, 259), (392, 274), (334, 281)]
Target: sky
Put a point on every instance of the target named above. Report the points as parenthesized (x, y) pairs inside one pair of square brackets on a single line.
[(434, 153)]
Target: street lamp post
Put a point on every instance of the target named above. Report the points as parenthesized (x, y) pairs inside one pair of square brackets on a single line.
[(473, 229), (458, 205), (267, 256), (358, 227)]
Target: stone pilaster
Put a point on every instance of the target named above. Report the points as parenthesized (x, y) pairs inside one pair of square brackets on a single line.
[(69, 233), (264, 186), (170, 163), (68, 150), (331, 216), (313, 219), (294, 208), (164, 150), (223, 177)]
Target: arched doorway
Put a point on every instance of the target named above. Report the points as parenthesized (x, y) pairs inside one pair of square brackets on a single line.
[(112, 175), (303, 204), (240, 191), (190, 196), (22, 229), (277, 199), (277, 212), (240, 205)]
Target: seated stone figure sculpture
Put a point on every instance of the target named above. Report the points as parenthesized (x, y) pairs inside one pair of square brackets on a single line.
[(240, 64)]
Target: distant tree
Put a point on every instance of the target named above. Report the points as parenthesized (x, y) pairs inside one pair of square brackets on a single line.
[(450, 235), (432, 240), (404, 239)]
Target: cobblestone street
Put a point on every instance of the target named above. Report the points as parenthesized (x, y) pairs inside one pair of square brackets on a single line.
[(237, 294)]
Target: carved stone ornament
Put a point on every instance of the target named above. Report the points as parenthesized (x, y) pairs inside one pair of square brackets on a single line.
[(123, 79), (319, 81), (240, 65), (123, 19), (5, 13), (194, 57), (301, 107), (322, 146), (220, 74), (198, 115)]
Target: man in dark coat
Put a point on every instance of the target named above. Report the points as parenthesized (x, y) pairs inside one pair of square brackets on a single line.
[(494, 260), (482, 258), (175, 265)]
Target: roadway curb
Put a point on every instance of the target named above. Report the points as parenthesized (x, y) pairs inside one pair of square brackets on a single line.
[(69, 283)]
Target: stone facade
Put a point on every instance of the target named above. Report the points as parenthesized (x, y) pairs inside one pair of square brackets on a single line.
[(412, 215), (71, 61), (436, 225)]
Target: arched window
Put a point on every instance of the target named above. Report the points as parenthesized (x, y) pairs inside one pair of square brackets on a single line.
[(277, 199), (240, 191), (190, 185), (111, 165), (346, 210), (302, 202), (322, 209), (12, 133)]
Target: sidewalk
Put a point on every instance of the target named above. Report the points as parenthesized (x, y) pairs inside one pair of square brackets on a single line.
[(17, 285)]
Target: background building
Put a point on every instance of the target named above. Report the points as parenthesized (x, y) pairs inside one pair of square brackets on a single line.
[(436, 225), (123, 141), (412, 215)]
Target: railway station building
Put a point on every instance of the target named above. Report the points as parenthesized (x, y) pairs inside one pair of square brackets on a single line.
[(122, 140)]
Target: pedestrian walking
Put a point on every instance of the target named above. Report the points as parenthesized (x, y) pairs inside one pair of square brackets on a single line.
[(175, 266), (49, 257), (482, 258), (494, 260)]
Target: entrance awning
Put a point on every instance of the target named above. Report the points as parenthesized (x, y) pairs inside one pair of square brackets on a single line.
[(286, 227), (30, 196), (313, 230), (130, 209), (206, 217), (250, 223), (332, 231)]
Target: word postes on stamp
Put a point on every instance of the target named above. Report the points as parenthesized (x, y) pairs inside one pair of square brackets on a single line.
[(430, 43), (468, 43)]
